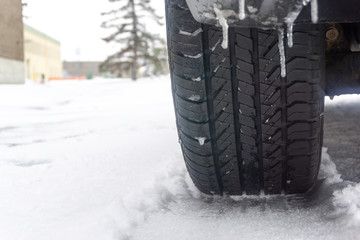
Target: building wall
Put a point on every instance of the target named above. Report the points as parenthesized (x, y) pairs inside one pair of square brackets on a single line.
[(11, 42), (42, 55)]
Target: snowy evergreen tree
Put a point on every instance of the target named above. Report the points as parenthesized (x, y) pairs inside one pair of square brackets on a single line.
[(140, 50)]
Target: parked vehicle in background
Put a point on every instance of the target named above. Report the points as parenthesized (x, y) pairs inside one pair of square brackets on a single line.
[(249, 80)]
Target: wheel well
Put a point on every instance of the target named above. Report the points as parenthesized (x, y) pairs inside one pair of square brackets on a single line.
[(342, 58)]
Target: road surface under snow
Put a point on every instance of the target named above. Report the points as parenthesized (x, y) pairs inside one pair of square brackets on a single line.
[(100, 160)]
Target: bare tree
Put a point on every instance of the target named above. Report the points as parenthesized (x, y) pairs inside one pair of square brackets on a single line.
[(140, 50)]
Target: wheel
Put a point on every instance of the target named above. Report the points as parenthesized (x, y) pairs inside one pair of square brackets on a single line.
[(243, 128)]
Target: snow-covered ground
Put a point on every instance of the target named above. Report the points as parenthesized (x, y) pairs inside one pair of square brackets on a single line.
[(100, 160)]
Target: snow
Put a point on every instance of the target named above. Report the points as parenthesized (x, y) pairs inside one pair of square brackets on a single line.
[(194, 98), (314, 11), (350, 100), (198, 79), (225, 27), (252, 9), (78, 158), (292, 16), (193, 34), (199, 55), (289, 33), (282, 52), (201, 140), (329, 171), (215, 46), (347, 202), (100, 160), (218, 66), (290, 19), (242, 9)]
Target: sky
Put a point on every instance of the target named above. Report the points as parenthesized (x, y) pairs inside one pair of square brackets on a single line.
[(76, 24)]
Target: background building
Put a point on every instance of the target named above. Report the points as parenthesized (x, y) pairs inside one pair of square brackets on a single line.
[(11, 42), (42, 55), (77, 69)]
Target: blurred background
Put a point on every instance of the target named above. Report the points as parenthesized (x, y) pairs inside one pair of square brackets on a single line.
[(62, 40)]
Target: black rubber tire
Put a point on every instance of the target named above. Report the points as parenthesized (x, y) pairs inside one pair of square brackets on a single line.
[(243, 128)]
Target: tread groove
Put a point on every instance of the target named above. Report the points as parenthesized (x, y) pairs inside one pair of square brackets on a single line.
[(284, 120), (254, 34), (210, 105), (236, 104)]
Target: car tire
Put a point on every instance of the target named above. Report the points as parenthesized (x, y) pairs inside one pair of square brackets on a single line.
[(243, 128)]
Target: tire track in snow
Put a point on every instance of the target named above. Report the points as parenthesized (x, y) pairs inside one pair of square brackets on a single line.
[(168, 186), (183, 213)]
